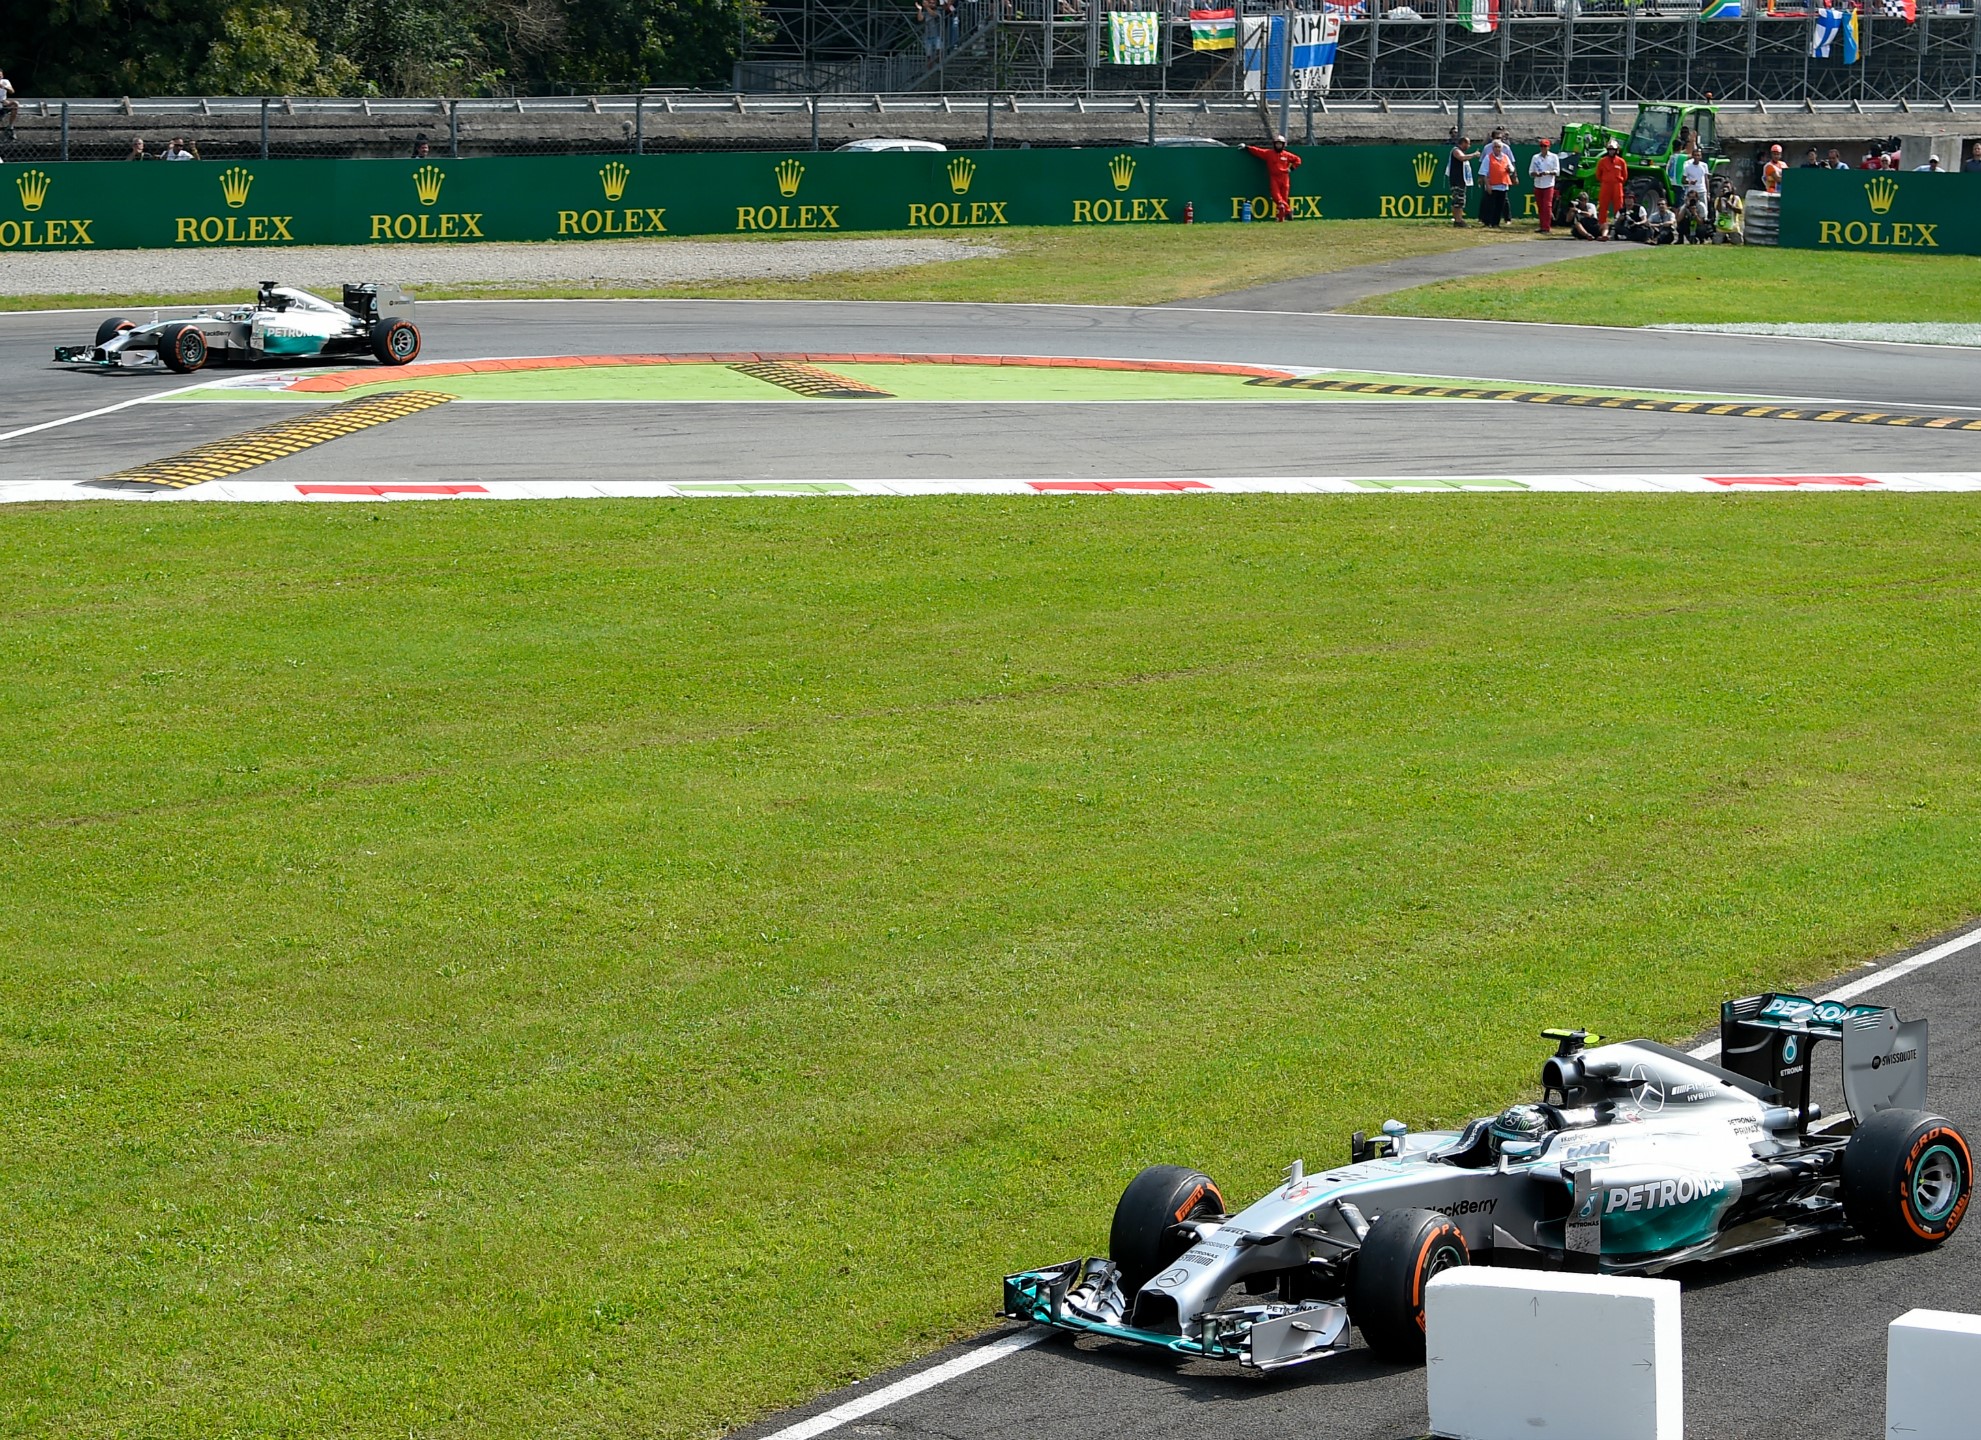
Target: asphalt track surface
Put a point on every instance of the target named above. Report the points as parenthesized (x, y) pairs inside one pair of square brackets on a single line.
[(1785, 1345), (829, 441)]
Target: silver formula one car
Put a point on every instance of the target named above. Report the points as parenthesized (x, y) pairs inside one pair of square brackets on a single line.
[(1639, 1157), (371, 319)]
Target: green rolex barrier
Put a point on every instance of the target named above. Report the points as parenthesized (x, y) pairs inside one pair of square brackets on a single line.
[(1907, 211), (348, 202)]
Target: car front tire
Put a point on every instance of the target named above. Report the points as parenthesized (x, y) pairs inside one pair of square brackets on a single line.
[(1142, 1240), (1906, 1179), (183, 348), (1399, 1255)]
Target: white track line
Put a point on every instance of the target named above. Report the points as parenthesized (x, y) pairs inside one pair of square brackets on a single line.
[(914, 1385), (1945, 950), (106, 410)]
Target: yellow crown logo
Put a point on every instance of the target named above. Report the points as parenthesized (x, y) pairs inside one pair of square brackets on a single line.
[(1121, 169), (962, 170), (1881, 192), (234, 185), (34, 189), (426, 183), (789, 173), (1426, 165), (614, 178)]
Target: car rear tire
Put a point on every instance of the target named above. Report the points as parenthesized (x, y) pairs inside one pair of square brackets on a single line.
[(395, 342), (183, 348), (1142, 1241), (1906, 1178), (114, 326), (1399, 1255)]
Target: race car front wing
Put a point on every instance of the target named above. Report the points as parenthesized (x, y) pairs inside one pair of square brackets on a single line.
[(1085, 1296)]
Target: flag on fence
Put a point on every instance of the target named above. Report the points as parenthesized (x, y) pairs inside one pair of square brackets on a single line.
[(1214, 29), (1315, 41), (1834, 33), (1721, 10), (1478, 15), (1906, 10), (1133, 38), (1358, 10)]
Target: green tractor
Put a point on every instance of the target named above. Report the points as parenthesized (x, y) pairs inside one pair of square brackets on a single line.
[(1655, 149)]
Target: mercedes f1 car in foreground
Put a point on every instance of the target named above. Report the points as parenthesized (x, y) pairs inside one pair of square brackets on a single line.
[(1638, 1157), (282, 321)]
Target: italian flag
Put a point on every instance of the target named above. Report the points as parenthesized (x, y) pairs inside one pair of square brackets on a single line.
[(1478, 15), (1214, 29)]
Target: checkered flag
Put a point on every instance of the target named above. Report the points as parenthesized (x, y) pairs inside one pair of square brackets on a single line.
[(1906, 10)]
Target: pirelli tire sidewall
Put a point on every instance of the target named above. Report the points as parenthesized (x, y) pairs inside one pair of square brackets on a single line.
[(395, 341), (183, 348), (1143, 1240), (1907, 1179), (1399, 1255)]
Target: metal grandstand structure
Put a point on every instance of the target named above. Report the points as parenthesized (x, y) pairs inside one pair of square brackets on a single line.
[(1574, 51)]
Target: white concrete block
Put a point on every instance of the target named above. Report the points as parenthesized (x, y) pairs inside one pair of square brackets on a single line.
[(1523, 1355), (1933, 1376)]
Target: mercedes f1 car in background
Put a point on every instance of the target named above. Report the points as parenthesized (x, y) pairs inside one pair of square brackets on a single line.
[(372, 319), (1639, 1157)]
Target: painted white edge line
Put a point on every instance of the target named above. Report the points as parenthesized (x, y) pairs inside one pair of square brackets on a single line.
[(106, 410), (1946, 949), (913, 1385)]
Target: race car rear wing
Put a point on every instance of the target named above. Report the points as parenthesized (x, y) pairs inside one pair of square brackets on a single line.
[(1771, 1038), (377, 300)]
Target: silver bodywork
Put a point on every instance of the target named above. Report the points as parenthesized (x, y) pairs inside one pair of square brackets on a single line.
[(1656, 1159), (281, 322)]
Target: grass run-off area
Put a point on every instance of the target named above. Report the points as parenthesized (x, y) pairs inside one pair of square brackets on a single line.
[(1091, 265), (613, 970), (1706, 285)]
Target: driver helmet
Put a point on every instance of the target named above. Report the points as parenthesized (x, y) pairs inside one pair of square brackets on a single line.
[(1518, 1123)]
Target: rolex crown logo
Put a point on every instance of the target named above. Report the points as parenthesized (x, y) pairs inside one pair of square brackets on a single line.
[(1425, 163), (234, 185), (426, 183), (33, 187), (614, 178), (962, 170), (1121, 170), (789, 173), (1881, 192)]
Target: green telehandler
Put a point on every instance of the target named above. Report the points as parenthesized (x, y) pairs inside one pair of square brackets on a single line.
[(1655, 149)]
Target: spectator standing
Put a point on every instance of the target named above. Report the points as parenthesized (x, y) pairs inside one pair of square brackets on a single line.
[(1932, 164), (10, 108), (1458, 176), (1972, 164), (175, 149), (1280, 164), (1835, 161), (1771, 173), (1810, 161), (136, 152), (1611, 172), (1544, 169), (1697, 179), (1495, 207), (1728, 215), (420, 147)]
